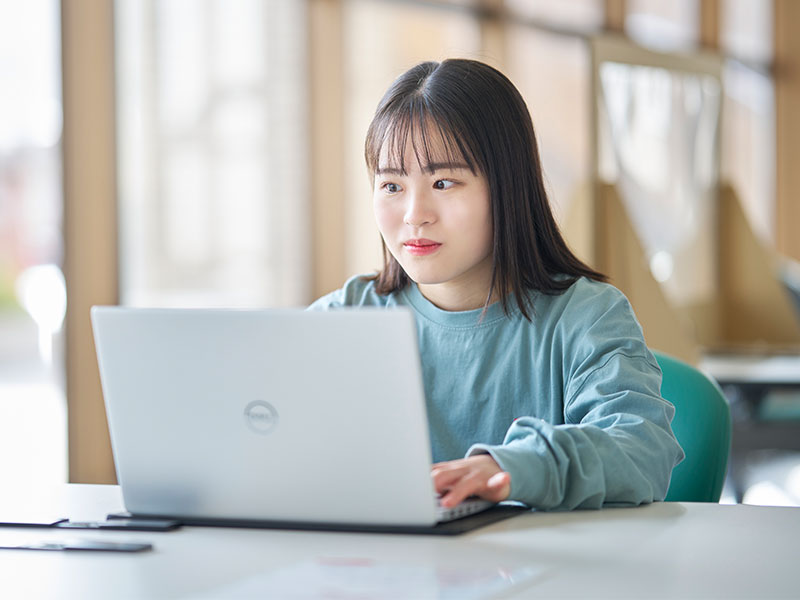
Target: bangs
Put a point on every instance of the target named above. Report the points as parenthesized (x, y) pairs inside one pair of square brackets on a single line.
[(436, 141)]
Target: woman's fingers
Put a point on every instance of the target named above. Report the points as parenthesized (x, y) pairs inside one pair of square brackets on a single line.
[(445, 475), (476, 475), (471, 484)]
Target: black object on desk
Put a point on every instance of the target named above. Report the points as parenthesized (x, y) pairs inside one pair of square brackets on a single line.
[(122, 524), (495, 514), (29, 521), (83, 545)]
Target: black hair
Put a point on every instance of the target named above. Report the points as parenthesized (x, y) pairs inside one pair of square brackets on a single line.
[(477, 116)]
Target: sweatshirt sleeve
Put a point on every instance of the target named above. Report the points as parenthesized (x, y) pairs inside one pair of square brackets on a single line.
[(616, 444)]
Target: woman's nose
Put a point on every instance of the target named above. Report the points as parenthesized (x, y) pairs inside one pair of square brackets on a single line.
[(418, 210)]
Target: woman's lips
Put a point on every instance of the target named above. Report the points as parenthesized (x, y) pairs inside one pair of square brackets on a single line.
[(421, 247)]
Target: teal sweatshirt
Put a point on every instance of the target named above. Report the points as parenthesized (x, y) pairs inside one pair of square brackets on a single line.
[(568, 403)]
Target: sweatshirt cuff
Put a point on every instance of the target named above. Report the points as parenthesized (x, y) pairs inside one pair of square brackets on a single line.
[(529, 477)]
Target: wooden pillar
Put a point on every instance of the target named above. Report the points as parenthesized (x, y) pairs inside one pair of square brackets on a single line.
[(90, 223), (787, 121), (710, 24), (615, 11), (327, 93)]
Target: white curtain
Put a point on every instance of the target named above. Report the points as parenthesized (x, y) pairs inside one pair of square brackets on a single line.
[(658, 142)]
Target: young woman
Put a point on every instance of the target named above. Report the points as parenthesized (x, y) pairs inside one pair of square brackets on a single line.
[(539, 385)]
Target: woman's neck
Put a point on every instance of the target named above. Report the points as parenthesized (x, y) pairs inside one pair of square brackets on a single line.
[(454, 297)]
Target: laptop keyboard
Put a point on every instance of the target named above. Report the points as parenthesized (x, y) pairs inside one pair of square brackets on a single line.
[(467, 507)]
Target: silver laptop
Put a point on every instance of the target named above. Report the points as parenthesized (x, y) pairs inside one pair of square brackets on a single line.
[(269, 415)]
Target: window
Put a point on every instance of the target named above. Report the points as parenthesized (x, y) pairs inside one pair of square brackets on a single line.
[(213, 152), (746, 29), (575, 15), (32, 293), (664, 26)]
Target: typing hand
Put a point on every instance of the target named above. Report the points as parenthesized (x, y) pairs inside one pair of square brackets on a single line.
[(477, 475)]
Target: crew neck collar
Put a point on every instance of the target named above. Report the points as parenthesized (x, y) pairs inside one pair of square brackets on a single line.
[(454, 318)]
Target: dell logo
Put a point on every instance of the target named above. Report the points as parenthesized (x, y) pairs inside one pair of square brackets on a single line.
[(261, 417)]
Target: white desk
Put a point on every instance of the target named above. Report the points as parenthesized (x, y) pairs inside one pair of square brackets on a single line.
[(665, 550), (753, 369)]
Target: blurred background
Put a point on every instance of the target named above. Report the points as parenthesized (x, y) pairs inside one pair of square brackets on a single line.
[(210, 153)]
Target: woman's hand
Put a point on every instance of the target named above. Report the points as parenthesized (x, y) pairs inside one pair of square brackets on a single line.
[(477, 475)]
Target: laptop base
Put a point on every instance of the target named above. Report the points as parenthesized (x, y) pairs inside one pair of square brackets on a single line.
[(495, 514)]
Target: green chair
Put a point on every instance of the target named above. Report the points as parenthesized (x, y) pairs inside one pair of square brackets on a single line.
[(702, 425)]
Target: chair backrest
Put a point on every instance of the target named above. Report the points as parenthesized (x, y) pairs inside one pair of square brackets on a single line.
[(702, 425)]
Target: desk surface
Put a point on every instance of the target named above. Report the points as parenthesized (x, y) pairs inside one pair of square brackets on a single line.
[(664, 550), (753, 369)]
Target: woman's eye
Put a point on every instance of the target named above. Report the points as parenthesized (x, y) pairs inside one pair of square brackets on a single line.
[(443, 184)]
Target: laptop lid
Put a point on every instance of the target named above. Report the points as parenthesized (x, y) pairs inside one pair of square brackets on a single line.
[(285, 415)]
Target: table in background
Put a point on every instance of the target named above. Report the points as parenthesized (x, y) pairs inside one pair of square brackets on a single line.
[(747, 380), (663, 550)]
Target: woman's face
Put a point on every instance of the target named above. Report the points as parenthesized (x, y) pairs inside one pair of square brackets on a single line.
[(436, 221)]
